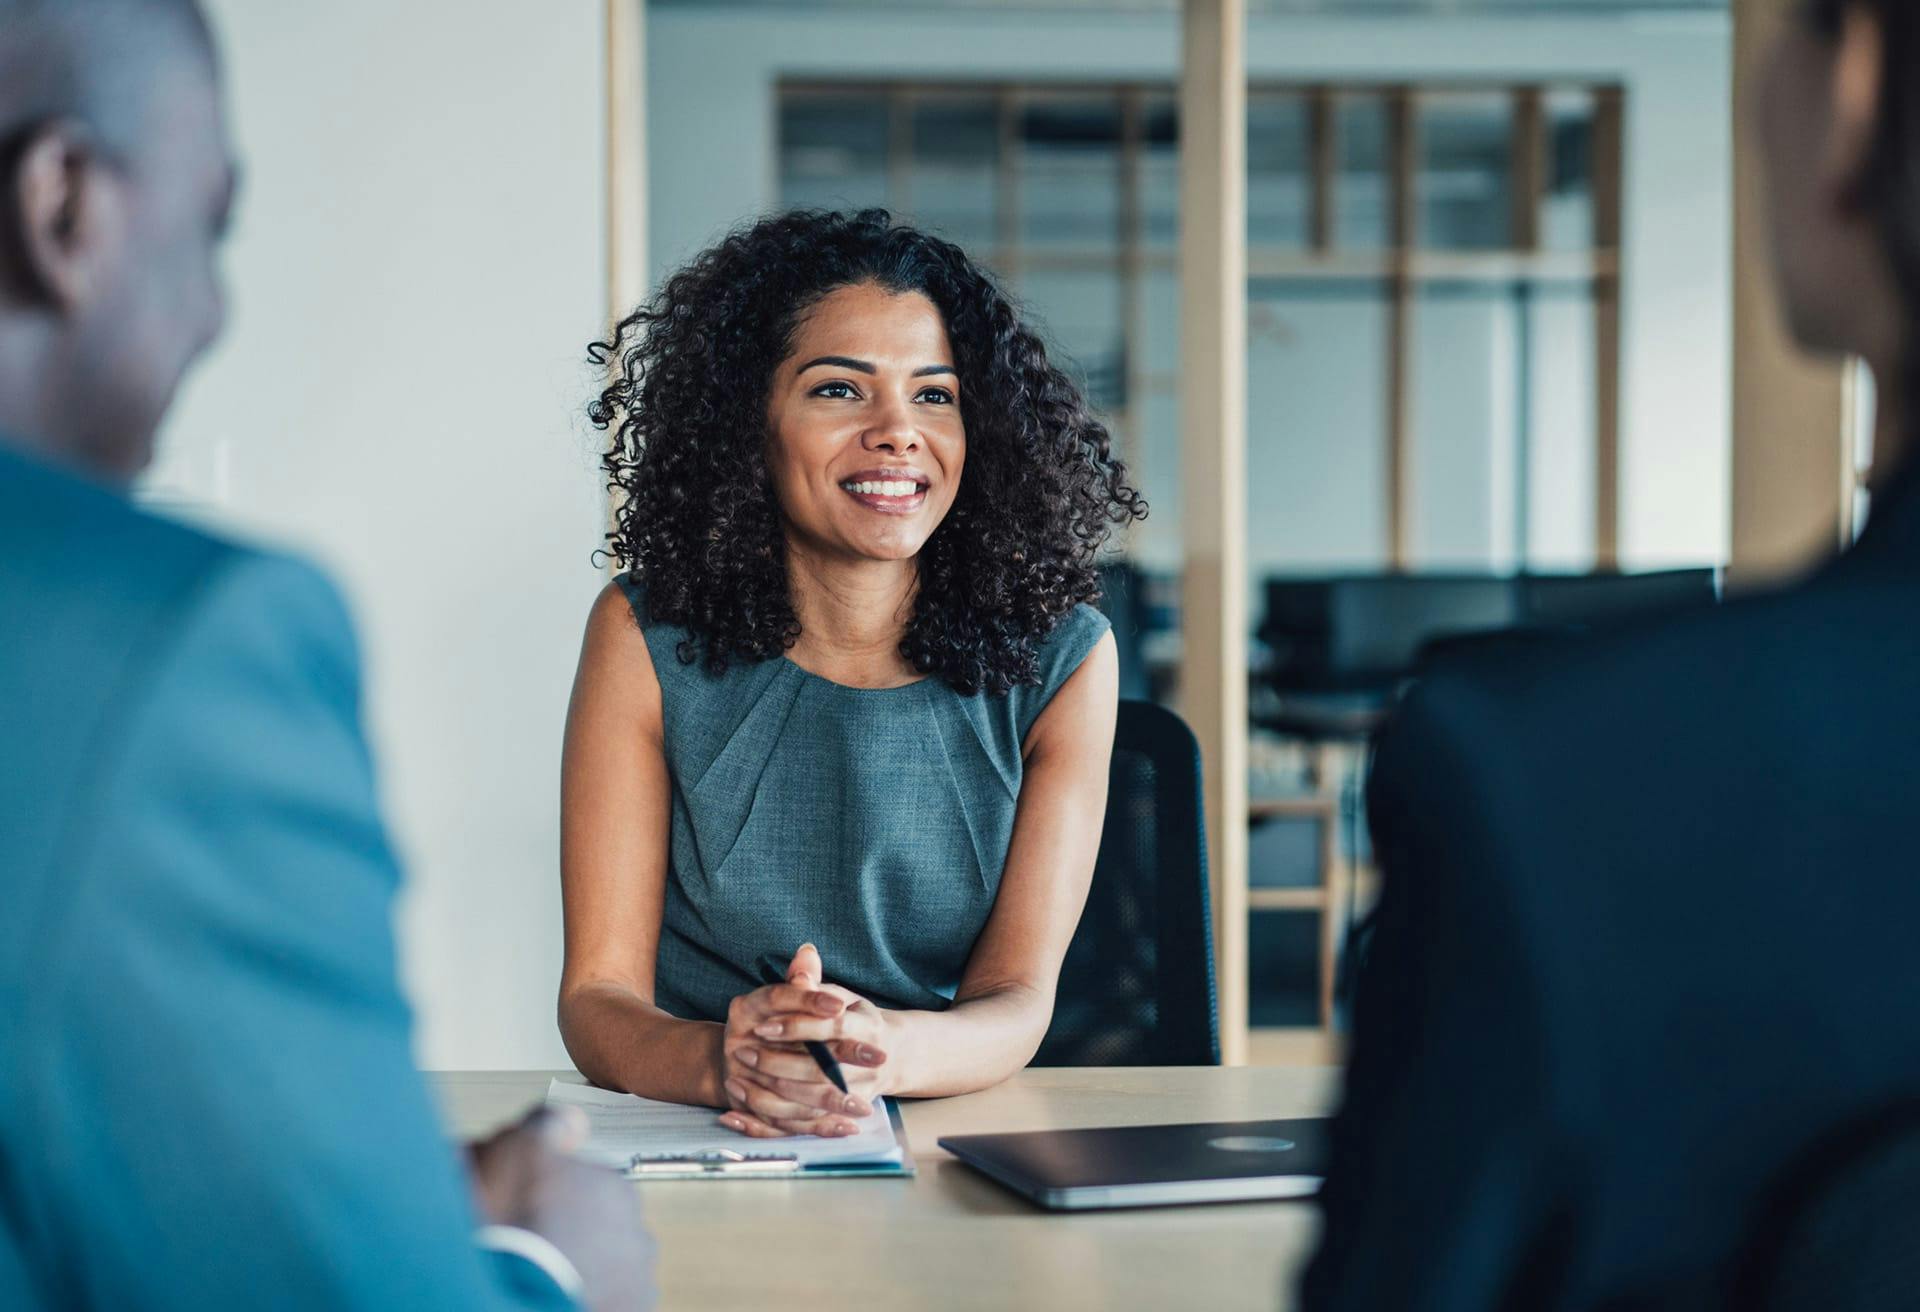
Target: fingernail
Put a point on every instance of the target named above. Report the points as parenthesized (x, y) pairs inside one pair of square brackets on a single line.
[(731, 1122), (804, 947), (736, 1091), (871, 1054), (857, 1107), (771, 1030), (748, 1057), (842, 1130)]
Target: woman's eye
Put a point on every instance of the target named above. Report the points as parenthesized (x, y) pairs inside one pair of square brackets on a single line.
[(938, 395), (835, 391)]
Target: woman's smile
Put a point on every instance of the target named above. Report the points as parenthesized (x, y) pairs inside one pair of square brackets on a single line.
[(888, 491)]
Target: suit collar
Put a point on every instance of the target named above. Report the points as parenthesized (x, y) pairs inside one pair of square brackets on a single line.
[(19, 459)]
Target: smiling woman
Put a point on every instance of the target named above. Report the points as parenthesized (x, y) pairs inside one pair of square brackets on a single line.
[(849, 693), (865, 454), (695, 377)]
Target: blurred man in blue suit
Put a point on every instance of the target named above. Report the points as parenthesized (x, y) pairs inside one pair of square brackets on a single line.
[(207, 1098)]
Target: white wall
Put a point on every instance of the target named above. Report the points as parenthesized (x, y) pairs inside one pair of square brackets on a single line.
[(714, 71), (417, 269)]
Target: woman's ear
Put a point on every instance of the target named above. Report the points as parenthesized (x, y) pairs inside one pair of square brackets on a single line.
[(1859, 85)]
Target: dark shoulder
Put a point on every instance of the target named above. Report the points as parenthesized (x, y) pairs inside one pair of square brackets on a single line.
[(1523, 719), (1649, 669)]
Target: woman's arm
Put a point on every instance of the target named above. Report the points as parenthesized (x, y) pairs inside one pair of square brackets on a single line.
[(615, 800), (1005, 1000)]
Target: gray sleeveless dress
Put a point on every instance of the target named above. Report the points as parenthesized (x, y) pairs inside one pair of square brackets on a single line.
[(871, 822)]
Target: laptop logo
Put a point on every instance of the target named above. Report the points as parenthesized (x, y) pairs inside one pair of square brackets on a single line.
[(1252, 1143)]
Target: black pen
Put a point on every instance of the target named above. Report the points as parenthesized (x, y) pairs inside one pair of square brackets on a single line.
[(822, 1055)]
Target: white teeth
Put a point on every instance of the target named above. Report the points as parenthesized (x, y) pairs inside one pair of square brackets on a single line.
[(884, 488)]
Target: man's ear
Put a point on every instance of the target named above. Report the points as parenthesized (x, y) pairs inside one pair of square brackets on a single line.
[(1859, 86), (66, 214)]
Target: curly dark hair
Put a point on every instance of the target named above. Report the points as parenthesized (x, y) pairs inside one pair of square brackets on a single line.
[(698, 523)]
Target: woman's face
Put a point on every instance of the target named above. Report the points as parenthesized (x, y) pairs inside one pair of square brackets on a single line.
[(865, 438)]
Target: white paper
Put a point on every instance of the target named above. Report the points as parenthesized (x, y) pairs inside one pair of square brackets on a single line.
[(621, 1126)]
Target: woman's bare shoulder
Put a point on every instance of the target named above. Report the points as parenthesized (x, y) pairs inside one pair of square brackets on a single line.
[(616, 667)]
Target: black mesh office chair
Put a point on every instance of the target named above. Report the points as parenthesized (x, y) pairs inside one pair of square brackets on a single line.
[(1841, 1232), (1137, 986)]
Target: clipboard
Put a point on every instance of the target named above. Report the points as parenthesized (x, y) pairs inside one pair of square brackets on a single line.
[(773, 1165)]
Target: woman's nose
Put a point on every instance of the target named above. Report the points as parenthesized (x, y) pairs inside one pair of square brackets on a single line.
[(892, 430)]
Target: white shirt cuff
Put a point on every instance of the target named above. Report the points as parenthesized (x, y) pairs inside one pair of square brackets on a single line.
[(537, 1249)]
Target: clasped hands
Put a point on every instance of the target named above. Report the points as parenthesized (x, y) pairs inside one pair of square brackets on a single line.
[(774, 1087)]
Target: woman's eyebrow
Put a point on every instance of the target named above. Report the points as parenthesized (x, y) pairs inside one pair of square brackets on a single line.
[(838, 362), (866, 367)]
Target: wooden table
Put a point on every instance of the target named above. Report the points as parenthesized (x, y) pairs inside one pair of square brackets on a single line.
[(951, 1239)]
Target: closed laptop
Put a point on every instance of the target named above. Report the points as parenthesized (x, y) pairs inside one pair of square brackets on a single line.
[(1153, 1165)]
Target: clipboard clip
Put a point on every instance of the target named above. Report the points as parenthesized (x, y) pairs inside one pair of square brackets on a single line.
[(723, 1161)]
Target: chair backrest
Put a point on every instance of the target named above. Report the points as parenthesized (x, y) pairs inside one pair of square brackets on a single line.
[(1137, 985), (1840, 1231)]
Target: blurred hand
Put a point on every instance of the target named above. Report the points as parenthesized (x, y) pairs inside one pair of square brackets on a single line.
[(774, 1087), (523, 1176)]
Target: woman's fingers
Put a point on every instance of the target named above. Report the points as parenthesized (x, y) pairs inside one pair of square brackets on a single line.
[(745, 1123), (751, 1009), (793, 1063), (815, 1093), (781, 999), (805, 966), (852, 1052), (751, 1126), (766, 1104), (794, 1028), (801, 1001)]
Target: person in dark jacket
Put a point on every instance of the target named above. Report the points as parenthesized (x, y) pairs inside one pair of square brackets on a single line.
[(1647, 928)]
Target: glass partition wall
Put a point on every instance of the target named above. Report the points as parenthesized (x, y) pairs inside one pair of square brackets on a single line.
[(1433, 287)]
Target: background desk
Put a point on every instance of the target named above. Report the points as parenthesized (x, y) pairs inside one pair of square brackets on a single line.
[(950, 1239)]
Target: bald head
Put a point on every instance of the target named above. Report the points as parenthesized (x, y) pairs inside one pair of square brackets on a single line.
[(117, 183), (94, 60)]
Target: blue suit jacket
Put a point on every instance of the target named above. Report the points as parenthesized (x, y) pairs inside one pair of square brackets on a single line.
[(207, 1097)]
